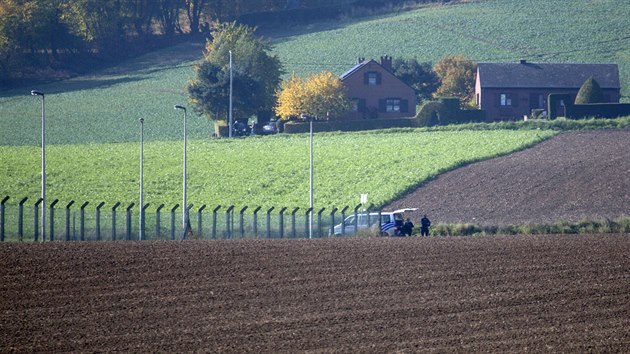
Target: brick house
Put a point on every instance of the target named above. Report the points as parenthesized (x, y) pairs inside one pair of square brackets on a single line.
[(508, 91), (376, 92)]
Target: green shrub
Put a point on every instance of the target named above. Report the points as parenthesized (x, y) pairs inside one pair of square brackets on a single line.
[(590, 92), (430, 114)]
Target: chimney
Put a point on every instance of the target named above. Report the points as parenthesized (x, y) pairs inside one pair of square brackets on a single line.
[(523, 61), (360, 60), (386, 62)]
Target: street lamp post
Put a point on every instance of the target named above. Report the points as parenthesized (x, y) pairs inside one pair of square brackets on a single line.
[(310, 228), (141, 179), (230, 110), (185, 206), (38, 93)]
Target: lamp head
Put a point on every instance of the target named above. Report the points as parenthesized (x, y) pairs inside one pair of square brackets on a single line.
[(37, 93), (180, 107), (141, 120)]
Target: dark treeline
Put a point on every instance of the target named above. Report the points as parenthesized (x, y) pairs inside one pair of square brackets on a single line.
[(55, 38)]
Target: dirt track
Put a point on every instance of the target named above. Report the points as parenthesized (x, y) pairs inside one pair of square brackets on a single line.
[(572, 177), (497, 294)]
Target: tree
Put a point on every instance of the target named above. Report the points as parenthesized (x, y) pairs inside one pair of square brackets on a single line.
[(290, 98), (590, 92), (457, 78), (321, 96), (420, 76), (211, 94), (256, 74), (194, 9)]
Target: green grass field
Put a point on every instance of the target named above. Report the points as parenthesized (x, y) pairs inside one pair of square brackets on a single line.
[(266, 171), (93, 129)]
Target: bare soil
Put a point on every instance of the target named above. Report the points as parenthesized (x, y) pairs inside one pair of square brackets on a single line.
[(572, 177), (479, 294)]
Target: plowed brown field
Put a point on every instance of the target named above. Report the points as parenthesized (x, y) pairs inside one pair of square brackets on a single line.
[(572, 177), (496, 294)]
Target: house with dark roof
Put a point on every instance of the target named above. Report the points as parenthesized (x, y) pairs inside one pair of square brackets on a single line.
[(376, 93), (508, 91)]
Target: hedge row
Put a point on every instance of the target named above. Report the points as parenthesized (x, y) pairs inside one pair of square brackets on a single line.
[(349, 125), (446, 111), (580, 111)]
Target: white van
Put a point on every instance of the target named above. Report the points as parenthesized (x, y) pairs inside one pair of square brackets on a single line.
[(390, 220)]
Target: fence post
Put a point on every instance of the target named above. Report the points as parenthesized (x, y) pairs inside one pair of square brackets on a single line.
[(173, 221), (52, 219), (36, 219), (307, 224), (293, 234), (380, 220), (4, 200), (214, 221), (281, 221), (332, 221), (269, 222), (157, 220), (68, 220), (98, 220), (356, 218), (21, 218), (319, 222), (188, 227), (343, 220), (369, 222), (82, 226), (242, 229), (128, 229), (143, 224), (228, 224), (256, 221), (114, 220), (199, 225)]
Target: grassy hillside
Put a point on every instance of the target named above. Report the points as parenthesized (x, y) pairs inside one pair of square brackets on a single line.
[(105, 107), (493, 30), (268, 171)]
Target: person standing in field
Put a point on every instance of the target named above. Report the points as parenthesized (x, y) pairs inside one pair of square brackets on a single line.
[(424, 226), (407, 228)]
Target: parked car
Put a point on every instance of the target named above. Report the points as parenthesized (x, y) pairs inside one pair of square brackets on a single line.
[(270, 128), (239, 129), (389, 222)]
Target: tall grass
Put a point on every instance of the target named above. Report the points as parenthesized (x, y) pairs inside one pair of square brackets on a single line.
[(607, 226)]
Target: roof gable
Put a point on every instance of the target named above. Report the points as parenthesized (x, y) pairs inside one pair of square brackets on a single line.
[(356, 68), (546, 75)]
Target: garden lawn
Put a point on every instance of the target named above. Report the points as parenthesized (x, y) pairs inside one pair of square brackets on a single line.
[(266, 171)]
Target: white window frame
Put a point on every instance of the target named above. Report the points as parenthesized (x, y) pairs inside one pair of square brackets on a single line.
[(372, 78), (392, 105)]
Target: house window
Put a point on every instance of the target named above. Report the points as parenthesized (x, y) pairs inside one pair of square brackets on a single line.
[(358, 105), (372, 78), (355, 105), (392, 105), (506, 99)]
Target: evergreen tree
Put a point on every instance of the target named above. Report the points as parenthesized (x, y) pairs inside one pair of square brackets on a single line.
[(420, 76), (590, 92)]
